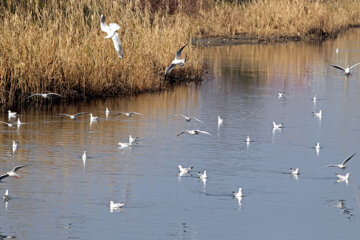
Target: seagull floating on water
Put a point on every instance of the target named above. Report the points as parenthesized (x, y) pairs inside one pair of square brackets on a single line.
[(14, 146), (12, 173), (188, 119), (133, 139), (11, 114), (277, 126), (116, 205), (124, 144), (318, 114), (19, 123), (294, 172), (317, 146), (281, 94), (107, 112), (184, 169), (346, 70), (74, 116), (93, 118), (337, 50), (45, 95), (220, 121), (238, 194), (343, 177), (193, 132), (84, 156), (202, 176), (9, 124), (247, 139), (110, 30), (128, 114), (341, 165), (6, 195), (314, 99), (176, 61)]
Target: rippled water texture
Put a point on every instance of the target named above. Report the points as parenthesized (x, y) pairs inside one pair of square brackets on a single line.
[(59, 196)]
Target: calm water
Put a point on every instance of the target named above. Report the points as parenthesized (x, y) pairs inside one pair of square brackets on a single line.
[(60, 197)]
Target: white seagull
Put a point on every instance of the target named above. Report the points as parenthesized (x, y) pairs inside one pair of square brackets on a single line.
[(314, 99), (220, 121), (238, 194), (11, 114), (337, 50), (107, 112), (9, 124), (14, 146), (19, 123), (281, 94), (45, 95), (317, 146), (277, 126), (247, 139), (133, 139), (84, 156), (184, 169), (12, 173), (294, 172), (6, 195), (188, 119), (341, 165), (318, 114), (93, 118), (116, 205), (176, 61), (193, 132), (74, 116), (347, 69), (124, 145), (202, 176), (110, 30), (128, 114), (343, 177)]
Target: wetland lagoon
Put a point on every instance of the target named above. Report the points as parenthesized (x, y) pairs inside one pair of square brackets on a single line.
[(60, 196)]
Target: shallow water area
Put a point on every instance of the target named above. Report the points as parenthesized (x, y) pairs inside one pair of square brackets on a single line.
[(61, 196)]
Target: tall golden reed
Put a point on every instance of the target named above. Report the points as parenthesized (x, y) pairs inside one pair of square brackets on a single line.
[(57, 45)]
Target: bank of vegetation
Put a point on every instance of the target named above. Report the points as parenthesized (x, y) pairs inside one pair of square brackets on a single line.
[(57, 45)]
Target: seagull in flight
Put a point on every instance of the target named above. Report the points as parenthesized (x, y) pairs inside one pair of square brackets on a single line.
[(277, 126), (128, 114), (341, 165), (74, 116), (44, 95), (346, 70), (188, 119), (176, 61), (11, 114), (193, 132), (184, 169), (116, 205), (9, 124), (238, 194), (110, 30), (12, 173), (294, 172)]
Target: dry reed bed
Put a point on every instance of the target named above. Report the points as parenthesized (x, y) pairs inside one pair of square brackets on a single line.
[(58, 46), (63, 50)]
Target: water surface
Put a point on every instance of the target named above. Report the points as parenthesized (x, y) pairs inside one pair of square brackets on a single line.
[(59, 196)]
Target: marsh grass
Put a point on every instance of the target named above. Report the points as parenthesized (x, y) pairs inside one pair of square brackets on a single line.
[(57, 45)]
